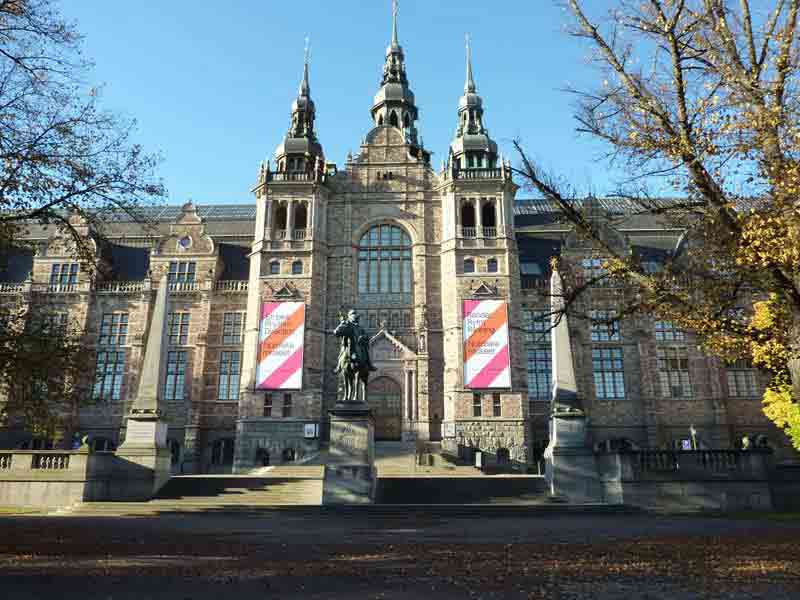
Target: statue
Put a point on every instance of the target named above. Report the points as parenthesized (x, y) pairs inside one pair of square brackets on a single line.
[(354, 364)]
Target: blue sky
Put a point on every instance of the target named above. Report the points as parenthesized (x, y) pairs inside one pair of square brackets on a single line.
[(211, 83)]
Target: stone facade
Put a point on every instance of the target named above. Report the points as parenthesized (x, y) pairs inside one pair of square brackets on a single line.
[(406, 245)]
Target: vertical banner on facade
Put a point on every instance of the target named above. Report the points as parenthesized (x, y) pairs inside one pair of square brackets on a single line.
[(486, 357), (281, 337)]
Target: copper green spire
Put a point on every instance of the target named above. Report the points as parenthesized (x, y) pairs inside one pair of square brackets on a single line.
[(395, 10), (469, 86), (305, 87)]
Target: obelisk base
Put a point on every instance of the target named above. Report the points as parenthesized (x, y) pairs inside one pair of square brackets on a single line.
[(570, 465), (350, 472), (143, 459)]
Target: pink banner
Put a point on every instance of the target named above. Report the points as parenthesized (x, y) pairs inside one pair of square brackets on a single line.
[(487, 362), (281, 338)]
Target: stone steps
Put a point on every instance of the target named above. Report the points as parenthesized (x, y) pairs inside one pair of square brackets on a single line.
[(402, 512), (463, 489)]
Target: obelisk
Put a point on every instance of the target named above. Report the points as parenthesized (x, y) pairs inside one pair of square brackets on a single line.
[(144, 455), (570, 465)]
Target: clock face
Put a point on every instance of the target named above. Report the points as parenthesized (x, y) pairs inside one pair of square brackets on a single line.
[(185, 242)]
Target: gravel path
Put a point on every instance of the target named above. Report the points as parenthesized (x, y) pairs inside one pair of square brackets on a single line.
[(312, 556)]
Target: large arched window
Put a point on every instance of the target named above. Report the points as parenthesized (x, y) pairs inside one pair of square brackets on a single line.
[(384, 262)]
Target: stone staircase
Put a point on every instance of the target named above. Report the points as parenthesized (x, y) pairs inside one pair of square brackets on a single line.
[(273, 487)]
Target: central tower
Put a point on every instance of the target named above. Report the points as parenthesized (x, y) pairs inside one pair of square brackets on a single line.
[(394, 103)]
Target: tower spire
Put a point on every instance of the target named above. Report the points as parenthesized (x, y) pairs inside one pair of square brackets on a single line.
[(395, 10), (305, 87), (469, 86)]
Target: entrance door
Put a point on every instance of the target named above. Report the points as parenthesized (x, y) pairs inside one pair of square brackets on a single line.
[(386, 401)]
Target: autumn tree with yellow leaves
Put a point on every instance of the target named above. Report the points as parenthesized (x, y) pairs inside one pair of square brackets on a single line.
[(702, 98)]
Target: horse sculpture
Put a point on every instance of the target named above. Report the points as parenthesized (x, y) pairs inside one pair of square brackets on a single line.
[(354, 364)]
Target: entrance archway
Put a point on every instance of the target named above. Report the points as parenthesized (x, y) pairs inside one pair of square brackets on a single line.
[(385, 398)]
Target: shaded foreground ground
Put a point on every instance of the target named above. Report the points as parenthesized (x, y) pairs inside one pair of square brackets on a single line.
[(313, 556)]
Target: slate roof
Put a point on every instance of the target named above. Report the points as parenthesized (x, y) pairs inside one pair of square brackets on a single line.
[(541, 233)]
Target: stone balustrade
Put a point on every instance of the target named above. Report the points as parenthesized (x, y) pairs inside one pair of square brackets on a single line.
[(687, 480), (232, 287), (50, 462), (60, 288), (123, 287), (185, 287), (535, 283), (54, 478), (478, 174), (12, 288)]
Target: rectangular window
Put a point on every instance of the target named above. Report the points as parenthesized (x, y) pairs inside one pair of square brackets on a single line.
[(178, 327), (113, 330), (230, 368), (609, 375), (539, 374), (673, 372), (287, 405), (594, 273), (537, 326), (476, 405), (64, 274), (176, 375), (666, 331), (497, 406), (181, 272), (743, 380), (109, 372), (268, 404), (605, 326), (55, 323), (232, 328)]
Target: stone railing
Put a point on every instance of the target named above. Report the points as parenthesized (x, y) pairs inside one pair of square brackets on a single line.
[(5, 461), (232, 287), (280, 234), (469, 232), (60, 288), (687, 465), (300, 176), (123, 287), (184, 287), (12, 288), (534, 283), (50, 462), (490, 232), (477, 174), (299, 235)]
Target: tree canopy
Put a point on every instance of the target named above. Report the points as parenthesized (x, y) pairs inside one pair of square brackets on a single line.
[(60, 152), (698, 100), (65, 162)]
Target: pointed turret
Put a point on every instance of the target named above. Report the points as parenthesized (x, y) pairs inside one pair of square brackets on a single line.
[(472, 147), (394, 103), (300, 149)]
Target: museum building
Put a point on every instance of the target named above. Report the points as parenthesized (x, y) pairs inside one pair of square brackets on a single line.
[(427, 258)]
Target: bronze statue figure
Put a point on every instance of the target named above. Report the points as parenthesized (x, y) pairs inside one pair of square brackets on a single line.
[(354, 364)]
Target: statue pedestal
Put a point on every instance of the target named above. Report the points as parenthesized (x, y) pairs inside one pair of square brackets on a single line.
[(570, 465), (350, 473), (143, 459)]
